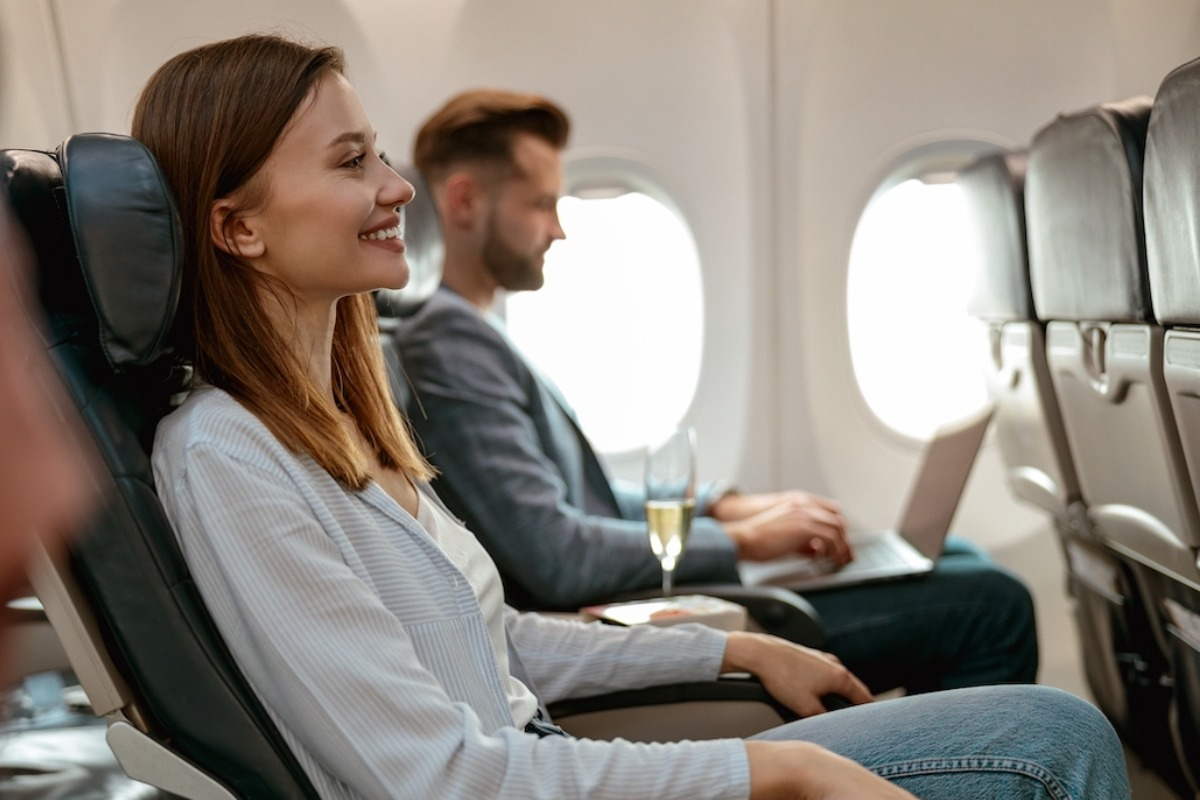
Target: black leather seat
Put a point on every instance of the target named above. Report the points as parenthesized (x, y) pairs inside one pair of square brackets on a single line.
[(106, 236)]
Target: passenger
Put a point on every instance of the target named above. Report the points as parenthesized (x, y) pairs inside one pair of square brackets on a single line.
[(369, 622), (515, 467), (45, 486)]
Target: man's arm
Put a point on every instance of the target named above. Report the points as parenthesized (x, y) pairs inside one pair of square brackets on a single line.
[(477, 423)]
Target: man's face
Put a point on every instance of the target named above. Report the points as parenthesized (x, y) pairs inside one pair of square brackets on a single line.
[(523, 222)]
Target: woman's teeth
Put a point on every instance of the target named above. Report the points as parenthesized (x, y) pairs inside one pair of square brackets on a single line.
[(384, 233)]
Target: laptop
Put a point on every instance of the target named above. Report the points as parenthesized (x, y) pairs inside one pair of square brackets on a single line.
[(911, 548)]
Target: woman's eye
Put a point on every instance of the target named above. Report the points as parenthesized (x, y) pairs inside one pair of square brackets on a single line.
[(355, 162)]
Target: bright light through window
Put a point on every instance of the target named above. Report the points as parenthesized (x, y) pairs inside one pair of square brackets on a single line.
[(619, 324), (915, 350)]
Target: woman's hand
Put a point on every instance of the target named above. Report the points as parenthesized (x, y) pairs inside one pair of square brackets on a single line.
[(794, 675), (805, 771)]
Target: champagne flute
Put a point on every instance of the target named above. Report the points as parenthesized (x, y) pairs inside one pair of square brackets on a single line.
[(671, 498)]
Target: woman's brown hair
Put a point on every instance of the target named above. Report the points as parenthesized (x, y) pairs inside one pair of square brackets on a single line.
[(211, 117)]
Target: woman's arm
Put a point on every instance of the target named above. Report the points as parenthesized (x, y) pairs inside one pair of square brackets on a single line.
[(569, 659), (566, 658), (345, 678)]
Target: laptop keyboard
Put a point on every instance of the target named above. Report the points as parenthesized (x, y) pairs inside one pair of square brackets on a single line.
[(874, 552)]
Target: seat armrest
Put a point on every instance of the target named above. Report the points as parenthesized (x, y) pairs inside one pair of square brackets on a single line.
[(674, 711), (733, 706), (727, 688), (773, 609)]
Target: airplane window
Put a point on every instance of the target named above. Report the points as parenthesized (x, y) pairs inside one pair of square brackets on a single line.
[(619, 323), (914, 348)]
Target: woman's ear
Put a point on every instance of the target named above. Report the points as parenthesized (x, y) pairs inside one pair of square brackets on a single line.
[(231, 233)]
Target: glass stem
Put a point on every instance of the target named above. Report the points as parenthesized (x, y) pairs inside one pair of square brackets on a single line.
[(668, 580)]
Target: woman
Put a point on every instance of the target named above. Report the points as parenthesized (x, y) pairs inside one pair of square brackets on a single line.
[(370, 623)]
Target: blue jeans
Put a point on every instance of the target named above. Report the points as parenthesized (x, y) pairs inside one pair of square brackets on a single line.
[(1002, 742), (968, 623)]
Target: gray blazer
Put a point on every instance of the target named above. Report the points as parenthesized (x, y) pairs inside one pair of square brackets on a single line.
[(516, 468)]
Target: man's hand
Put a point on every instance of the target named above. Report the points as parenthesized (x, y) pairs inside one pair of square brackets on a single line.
[(794, 675), (766, 526)]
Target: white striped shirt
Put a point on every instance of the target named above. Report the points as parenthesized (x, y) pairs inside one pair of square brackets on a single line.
[(468, 555), (370, 650)]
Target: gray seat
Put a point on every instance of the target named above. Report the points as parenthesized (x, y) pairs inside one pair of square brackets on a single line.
[(1172, 204), (1121, 657), (1104, 346), (1104, 351), (1029, 430)]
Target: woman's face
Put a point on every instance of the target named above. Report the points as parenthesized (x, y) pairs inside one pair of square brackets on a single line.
[(330, 225)]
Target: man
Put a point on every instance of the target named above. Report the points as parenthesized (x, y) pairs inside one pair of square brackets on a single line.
[(515, 466)]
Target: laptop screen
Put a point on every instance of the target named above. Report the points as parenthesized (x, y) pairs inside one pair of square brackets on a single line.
[(940, 481)]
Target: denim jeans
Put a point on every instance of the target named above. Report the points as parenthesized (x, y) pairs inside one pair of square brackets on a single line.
[(1002, 742), (968, 623)]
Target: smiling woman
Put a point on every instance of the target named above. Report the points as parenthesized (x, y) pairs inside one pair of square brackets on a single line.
[(315, 134)]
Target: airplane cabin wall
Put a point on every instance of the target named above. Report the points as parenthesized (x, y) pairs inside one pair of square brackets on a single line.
[(771, 122), (33, 103), (862, 83)]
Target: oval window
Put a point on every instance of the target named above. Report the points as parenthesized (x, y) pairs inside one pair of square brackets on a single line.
[(915, 350), (619, 323)]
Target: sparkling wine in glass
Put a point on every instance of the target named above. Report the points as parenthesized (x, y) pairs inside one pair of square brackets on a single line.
[(671, 498)]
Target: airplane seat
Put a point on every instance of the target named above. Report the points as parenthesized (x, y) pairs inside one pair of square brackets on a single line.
[(1087, 265), (1031, 435), (1172, 211), (105, 232), (1028, 423), (424, 252)]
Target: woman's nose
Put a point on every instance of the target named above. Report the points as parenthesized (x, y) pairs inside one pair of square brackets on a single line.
[(397, 191)]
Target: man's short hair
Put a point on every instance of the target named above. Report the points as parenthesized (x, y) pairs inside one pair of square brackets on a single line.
[(480, 125)]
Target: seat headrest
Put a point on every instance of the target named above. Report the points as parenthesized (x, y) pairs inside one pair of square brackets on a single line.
[(106, 234), (424, 251), (993, 188), (1172, 196), (1083, 206)]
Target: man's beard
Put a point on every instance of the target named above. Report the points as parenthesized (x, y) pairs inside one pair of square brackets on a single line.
[(513, 271)]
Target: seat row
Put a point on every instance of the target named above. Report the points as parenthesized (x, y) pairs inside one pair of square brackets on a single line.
[(1090, 296)]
